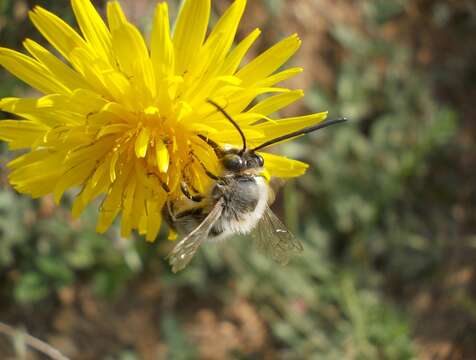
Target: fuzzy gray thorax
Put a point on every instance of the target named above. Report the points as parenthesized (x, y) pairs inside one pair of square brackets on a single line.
[(245, 200)]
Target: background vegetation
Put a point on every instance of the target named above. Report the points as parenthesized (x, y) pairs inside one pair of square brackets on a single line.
[(387, 212)]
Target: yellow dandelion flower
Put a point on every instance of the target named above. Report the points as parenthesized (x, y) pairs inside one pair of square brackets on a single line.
[(121, 118)]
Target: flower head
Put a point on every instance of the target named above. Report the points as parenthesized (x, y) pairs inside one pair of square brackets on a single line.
[(125, 119)]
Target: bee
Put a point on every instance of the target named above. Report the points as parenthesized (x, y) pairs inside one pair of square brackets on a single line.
[(238, 202)]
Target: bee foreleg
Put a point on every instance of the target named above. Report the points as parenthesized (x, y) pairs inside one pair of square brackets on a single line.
[(164, 186), (186, 192), (218, 151), (209, 174)]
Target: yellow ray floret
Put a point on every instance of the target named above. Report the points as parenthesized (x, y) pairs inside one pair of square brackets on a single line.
[(120, 118)]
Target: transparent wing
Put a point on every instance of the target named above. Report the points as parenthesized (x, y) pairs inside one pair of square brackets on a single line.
[(184, 251), (275, 184), (272, 237)]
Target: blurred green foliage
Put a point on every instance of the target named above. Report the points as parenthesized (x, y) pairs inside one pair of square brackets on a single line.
[(371, 214)]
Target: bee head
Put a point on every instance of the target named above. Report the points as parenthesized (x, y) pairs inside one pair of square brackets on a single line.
[(234, 160)]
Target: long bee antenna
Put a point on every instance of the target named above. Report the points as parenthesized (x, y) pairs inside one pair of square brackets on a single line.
[(300, 132), (233, 122)]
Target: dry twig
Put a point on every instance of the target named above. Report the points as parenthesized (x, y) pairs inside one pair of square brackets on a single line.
[(33, 342)]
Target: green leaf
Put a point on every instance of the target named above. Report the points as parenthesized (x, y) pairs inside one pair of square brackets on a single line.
[(31, 287)]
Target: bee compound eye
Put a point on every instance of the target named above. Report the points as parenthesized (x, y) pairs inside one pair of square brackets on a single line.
[(232, 162), (255, 161), (260, 160)]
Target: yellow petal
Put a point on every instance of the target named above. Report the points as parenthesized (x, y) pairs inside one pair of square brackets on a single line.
[(197, 177), (111, 205), (53, 110), (142, 142), (100, 178), (232, 137), (189, 32), (269, 61), (240, 99), (202, 91), (113, 171), (119, 112), (115, 15), (72, 177), (276, 102), (112, 129), (162, 155), (161, 46), (107, 216), (79, 204), (30, 158), (56, 31), (62, 72), (143, 222), (96, 185), (207, 156), (205, 62), (235, 57), (86, 64), (281, 166), (133, 57), (216, 124), (251, 118), (20, 134), (279, 77), (127, 209), (172, 236), (154, 219), (227, 25), (93, 28), (30, 71), (139, 210), (289, 125), (35, 110), (37, 172), (38, 186), (83, 102), (121, 89)]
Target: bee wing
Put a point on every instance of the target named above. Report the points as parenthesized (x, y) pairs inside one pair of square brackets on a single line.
[(274, 239), (184, 251), (275, 184)]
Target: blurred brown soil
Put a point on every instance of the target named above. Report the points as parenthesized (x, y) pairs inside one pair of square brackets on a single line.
[(84, 327)]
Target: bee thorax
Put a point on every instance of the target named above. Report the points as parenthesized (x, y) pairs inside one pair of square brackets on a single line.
[(245, 200)]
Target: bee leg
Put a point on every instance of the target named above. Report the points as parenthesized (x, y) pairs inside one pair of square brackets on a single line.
[(163, 185), (218, 151), (209, 174), (186, 192), (193, 212), (171, 211)]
